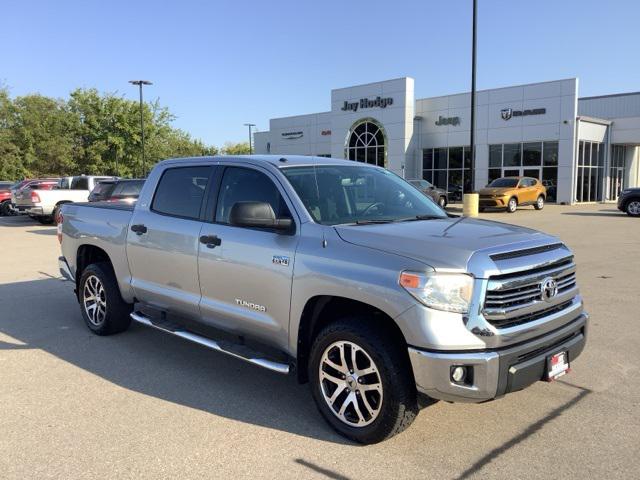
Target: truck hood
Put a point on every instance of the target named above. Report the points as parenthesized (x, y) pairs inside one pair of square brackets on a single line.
[(446, 243)]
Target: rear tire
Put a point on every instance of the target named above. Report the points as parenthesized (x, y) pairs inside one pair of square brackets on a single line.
[(442, 201), (366, 407), (512, 206), (5, 211), (539, 205), (103, 309), (633, 208)]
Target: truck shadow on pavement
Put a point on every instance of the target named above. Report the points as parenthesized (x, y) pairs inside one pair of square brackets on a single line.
[(152, 363), (530, 430)]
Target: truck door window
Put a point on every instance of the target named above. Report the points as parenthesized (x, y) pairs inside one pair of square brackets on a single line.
[(248, 185), (180, 191), (80, 183)]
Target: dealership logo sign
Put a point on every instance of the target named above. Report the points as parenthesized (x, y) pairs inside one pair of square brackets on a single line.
[(507, 113), (378, 102), (324, 133), (447, 121), (292, 135)]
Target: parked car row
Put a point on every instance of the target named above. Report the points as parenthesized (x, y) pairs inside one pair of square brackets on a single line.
[(41, 199)]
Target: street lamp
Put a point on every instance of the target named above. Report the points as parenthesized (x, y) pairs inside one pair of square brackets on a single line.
[(473, 94), (140, 83), (250, 125)]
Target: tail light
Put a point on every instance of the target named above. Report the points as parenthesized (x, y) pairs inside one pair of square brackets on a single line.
[(35, 198), (59, 219)]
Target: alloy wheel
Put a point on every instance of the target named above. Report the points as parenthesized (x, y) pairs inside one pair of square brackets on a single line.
[(350, 384), (634, 207), (94, 300), (540, 203)]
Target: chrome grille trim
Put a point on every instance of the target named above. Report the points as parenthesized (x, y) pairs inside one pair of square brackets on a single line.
[(516, 298)]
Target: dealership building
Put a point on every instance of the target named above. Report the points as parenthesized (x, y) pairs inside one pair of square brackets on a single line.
[(583, 149)]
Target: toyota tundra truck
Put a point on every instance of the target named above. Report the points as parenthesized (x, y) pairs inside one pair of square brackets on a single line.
[(338, 272)]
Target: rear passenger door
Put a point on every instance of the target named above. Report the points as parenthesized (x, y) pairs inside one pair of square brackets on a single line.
[(163, 241), (246, 274)]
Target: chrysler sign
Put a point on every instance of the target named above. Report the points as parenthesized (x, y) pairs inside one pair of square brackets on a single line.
[(507, 113), (367, 103)]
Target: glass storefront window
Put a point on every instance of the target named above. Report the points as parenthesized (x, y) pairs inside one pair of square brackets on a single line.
[(589, 172), (532, 154), (455, 157), (495, 156), (512, 156), (550, 154), (449, 169), (440, 158)]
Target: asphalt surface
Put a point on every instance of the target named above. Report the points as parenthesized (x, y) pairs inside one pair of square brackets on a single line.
[(146, 405)]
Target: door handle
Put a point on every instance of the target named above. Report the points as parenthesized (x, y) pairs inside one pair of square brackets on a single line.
[(211, 241), (139, 229)]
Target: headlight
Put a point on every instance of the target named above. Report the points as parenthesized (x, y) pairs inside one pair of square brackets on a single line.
[(450, 292)]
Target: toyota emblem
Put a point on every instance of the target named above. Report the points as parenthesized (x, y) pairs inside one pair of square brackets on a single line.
[(548, 289)]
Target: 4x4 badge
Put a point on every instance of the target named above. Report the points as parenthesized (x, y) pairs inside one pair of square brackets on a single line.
[(281, 260)]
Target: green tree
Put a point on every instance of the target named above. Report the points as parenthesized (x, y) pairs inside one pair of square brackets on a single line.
[(90, 133), (241, 148)]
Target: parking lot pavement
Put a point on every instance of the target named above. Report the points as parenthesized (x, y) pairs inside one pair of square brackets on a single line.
[(146, 405)]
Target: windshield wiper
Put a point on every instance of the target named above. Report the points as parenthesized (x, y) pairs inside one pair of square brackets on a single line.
[(422, 217), (372, 221)]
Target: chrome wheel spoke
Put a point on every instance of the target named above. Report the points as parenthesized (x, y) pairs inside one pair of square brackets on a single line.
[(331, 378), (94, 300), (355, 400)]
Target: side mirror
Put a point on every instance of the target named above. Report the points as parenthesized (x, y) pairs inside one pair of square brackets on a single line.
[(257, 215)]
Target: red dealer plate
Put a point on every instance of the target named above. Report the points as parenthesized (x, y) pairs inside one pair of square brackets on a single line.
[(557, 366)]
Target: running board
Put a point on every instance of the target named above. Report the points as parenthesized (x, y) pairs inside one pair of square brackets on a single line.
[(212, 344)]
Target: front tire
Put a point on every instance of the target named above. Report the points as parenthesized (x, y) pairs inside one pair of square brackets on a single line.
[(633, 208), (512, 206), (103, 309), (361, 381), (539, 205)]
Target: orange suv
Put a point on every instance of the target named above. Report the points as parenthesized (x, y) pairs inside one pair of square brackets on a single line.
[(511, 192)]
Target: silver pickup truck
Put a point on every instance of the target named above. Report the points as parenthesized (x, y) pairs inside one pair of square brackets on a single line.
[(338, 271)]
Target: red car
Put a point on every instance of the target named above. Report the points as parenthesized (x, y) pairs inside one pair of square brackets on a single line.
[(5, 197)]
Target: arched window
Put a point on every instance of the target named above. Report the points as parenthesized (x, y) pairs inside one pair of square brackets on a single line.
[(366, 143)]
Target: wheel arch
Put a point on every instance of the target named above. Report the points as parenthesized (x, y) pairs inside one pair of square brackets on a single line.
[(321, 310), (88, 254)]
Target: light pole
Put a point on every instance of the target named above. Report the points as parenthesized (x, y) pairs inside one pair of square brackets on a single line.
[(473, 96), (250, 125), (140, 83)]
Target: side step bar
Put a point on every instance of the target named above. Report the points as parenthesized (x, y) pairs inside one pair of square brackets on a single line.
[(212, 344)]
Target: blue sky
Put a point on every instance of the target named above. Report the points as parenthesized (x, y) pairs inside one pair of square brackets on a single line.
[(219, 64)]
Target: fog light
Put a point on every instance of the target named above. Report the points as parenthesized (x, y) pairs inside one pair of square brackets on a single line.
[(458, 374)]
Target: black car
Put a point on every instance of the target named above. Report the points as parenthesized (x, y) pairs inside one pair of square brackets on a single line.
[(116, 189), (629, 201), (437, 194)]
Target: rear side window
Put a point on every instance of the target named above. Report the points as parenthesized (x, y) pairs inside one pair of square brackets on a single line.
[(128, 189), (180, 191), (102, 188), (80, 183), (248, 185)]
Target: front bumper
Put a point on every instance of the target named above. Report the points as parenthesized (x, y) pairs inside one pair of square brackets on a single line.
[(495, 372), (493, 201)]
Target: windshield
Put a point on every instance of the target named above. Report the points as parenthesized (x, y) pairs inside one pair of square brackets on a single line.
[(504, 182), (336, 194)]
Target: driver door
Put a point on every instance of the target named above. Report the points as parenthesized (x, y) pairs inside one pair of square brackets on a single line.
[(245, 277)]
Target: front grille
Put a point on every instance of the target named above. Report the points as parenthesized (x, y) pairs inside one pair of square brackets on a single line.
[(516, 298)]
